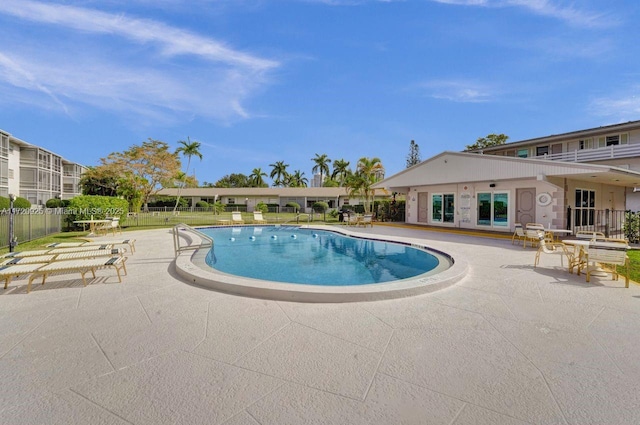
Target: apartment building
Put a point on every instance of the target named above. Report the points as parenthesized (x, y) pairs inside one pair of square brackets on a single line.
[(567, 180), (35, 173)]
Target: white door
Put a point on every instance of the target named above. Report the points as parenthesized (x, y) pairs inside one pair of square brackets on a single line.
[(423, 207), (526, 205)]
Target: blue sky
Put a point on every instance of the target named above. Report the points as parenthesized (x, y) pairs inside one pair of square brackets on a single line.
[(260, 81)]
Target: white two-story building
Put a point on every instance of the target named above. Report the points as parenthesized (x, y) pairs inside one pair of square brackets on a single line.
[(582, 179)]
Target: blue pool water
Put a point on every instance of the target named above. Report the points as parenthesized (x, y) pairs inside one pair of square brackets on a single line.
[(294, 255)]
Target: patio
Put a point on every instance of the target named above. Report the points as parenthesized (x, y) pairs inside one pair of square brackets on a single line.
[(508, 344)]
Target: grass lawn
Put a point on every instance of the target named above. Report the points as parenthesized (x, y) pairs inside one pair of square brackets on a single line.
[(634, 267)]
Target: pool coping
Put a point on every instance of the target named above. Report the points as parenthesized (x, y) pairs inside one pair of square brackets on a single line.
[(192, 267)]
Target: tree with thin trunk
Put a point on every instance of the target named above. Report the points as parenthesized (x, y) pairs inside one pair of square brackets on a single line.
[(322, 166), (297, 179), (370, 170), (340, 170), (256, 177), (414, 154), (279, 171), (187, 149)]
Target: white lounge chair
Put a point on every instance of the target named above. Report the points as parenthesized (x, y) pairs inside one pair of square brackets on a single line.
[(108, 243), (351, 219), (129, 242), (236, 217), (29, 259), (78, 266), (9, 272), (258, 218), (366, 220)]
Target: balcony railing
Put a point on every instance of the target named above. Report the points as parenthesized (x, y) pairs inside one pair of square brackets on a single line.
[(599, 154)]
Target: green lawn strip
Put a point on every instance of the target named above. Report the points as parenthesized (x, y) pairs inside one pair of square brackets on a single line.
[(634, 266)]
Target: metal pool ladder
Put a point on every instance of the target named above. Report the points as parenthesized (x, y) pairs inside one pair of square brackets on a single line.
[(182, 233)]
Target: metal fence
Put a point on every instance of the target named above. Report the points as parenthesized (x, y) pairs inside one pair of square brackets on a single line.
[(30, 225), (613, 223)]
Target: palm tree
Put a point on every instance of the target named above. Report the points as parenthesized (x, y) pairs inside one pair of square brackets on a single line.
[(256, 177), (370, 170), (279, 171), (187, 149), (297, 179), (322, 166), (340, 170)]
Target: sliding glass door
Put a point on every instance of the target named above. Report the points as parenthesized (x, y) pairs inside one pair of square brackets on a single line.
[(493, 209)]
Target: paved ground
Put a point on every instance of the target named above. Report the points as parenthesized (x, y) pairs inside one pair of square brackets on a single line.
[(506, 345)]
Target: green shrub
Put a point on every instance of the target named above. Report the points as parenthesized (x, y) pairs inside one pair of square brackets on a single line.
[(320, 206), (294, 205), (87, 207), (262, 207), (169, 201), (631, 226), (53, 203), (202, 204), (21, 203)]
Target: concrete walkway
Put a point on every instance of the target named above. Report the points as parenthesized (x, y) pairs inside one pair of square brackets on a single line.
[(506, 345)]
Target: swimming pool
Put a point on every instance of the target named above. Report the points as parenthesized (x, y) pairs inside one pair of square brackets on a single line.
[(193, 253), (314, 257)]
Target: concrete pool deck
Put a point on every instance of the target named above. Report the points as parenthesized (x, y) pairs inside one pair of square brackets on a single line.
[(507, 344)]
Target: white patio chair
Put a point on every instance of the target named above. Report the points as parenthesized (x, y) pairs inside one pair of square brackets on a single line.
[(606, 254), (558, 248), (518, 233), (531, 231)]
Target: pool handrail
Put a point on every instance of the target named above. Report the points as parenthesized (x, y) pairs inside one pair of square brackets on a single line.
[(205, 240), (297, 219)]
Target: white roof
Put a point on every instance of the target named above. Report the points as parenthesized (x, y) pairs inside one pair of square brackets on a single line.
[(463, 167)]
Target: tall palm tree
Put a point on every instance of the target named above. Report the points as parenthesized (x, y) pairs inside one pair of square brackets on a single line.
[(279, 171), (340, 170), (187, 149), (256, 177), (370, 170), (297, 179), (322, 166)]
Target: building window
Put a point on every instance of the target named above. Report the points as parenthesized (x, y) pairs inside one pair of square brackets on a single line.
[(443, 207), (542, 150), (584, 144), (585, 207), (493, 209), (231, 200), (523, 153), (614, 140)]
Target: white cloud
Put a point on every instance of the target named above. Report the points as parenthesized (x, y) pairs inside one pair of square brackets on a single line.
[(458, 91), (549, 8), (172, 41), (129, 66), (624, 108)]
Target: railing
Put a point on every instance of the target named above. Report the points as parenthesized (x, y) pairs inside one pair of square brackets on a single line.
[(297, 219), (598, 154), (29, 225), (182, 229), (613, 223)]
